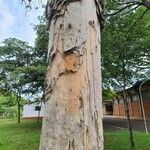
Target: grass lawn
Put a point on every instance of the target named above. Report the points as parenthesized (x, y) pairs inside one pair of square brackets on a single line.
[(120, 140), (26, 136), (23, 136)]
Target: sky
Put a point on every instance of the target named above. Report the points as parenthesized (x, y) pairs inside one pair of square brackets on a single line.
[(17, 22)]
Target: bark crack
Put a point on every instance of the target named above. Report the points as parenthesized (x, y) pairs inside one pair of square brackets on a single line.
[(71, 145), (97, 129), (51, 87), (57, 8), (100, 11)]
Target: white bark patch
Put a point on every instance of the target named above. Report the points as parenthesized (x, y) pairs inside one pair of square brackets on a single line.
[(57, 8), (74, 29)]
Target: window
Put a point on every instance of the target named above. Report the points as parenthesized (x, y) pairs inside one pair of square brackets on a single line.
[(146, 94), (121, 100), (115, 101), (135, 97), (128, 99), (37, 108)]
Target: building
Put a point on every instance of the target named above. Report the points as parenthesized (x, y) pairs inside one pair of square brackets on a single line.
[(134, 101), (33, 110)]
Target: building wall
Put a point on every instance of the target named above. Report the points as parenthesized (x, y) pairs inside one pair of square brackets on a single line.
[(29, 110), (134, 109), (116, 110), (130, 106), (121, 109), (147, 108), (134, 104)]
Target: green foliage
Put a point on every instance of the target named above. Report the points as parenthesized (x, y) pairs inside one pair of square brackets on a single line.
[(22, 71), (39, 67), (9, 112), (23, 68), (124, 7), (41, 41), (8, 104), (108, 94), (14, 54), (120, 35)]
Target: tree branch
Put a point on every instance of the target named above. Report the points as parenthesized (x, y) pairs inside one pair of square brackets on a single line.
[(129, 2), (138, 19), (120, 10), (132, 9), (146, 3)]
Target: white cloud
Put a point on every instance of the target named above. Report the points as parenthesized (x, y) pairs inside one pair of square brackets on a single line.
[(16, 22), (7, 20)]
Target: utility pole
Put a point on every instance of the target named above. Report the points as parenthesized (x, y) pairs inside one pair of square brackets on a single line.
[(142, 106)]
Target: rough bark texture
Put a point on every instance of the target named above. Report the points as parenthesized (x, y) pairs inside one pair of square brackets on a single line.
[(73, 113)]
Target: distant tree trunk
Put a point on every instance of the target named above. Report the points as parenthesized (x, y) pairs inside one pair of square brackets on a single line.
[(39, 112), (73, 113), (127, 114), (18, 104), (38, 120)]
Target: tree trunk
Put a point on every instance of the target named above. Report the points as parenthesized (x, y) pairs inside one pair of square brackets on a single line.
[(18, 103), (73, 109)]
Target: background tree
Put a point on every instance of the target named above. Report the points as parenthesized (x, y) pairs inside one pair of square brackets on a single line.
[(14, 56), (125, 53), (8, 103), (41, 49), (118, 36), (124, 7), (22, 69), (108, 94)]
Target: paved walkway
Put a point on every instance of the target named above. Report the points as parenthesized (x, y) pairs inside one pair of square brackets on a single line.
[(111, 123)]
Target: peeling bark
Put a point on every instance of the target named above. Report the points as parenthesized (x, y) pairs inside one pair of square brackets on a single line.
[(73, 113)]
